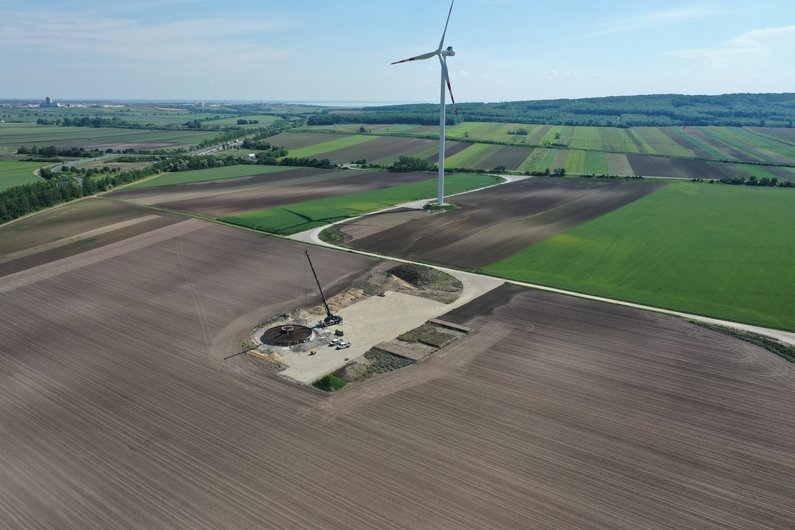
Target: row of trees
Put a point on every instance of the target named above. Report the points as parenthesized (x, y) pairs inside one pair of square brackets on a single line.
[(410, 163), (51, 151), (21, 200), (753, 181), (422, 117), (761, 110), (86, 121)]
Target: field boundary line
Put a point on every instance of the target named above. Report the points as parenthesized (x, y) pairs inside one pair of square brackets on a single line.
[(56, 268), (78, 237)]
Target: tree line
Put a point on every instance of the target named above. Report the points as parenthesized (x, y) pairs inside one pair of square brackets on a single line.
[(28, 198), (52, 151), (761, 110)]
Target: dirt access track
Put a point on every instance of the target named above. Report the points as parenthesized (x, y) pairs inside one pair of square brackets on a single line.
[(490, 224)]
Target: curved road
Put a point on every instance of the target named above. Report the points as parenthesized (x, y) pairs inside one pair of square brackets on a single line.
[(313, 237)]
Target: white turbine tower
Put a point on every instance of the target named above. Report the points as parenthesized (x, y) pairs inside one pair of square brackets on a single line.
[(443, 55)]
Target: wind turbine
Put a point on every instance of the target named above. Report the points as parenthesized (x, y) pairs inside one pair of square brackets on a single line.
[(442, 54)]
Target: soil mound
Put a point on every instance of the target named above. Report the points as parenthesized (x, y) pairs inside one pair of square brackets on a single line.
[(423, 277)]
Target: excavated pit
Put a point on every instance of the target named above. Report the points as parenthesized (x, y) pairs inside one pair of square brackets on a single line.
[(287, 335)]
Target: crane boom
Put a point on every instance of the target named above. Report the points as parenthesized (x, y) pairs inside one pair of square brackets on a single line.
[(330, 319)]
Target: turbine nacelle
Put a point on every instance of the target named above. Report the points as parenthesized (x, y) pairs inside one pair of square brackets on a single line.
[(449, 52)]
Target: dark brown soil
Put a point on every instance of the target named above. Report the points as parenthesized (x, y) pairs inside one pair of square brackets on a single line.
[(61, 232), (659, 166), (491, 224), (117, 408), (380, 149), (509, 157), (450, 148)]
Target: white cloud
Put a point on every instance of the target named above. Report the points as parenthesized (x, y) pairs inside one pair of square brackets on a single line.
[(199, 41), (647, 20), (753, 49)]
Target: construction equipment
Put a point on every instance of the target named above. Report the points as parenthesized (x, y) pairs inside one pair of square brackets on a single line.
[(331, 319)]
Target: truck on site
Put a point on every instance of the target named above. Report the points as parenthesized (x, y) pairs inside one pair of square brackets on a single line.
[(331, 319)]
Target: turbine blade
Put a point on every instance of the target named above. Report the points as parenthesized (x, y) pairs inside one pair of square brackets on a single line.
[(447, 79), (441, 42), (419, 57)]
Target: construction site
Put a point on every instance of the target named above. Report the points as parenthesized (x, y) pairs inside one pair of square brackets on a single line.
[(386, 320)]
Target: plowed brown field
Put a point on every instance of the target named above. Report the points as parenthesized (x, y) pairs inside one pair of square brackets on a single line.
[(386, 149), (491, 224), (659, 166), (71, 229), (117, 408)]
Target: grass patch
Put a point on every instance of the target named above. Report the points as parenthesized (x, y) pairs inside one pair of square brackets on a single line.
[(784, 351), (709, 249), (330, 383), (330, 235), (18, 173), (203, 175), (302, 216), (315, 150)]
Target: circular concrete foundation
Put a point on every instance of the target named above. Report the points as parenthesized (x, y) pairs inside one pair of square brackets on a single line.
[(287, 335)]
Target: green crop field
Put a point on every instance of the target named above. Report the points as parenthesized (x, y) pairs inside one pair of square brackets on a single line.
[(472, 156), (617, 140), (203, 175), (318, 149), (596, 163), (586, 138), (661, 143), (311, 214), (18, 173), (540, 159), (575, 163), (721, 251)]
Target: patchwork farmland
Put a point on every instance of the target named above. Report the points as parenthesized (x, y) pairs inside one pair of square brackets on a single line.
[(13, 135), (298, 217), (679, 152), (264, 189), (131, 395), (491, 224)]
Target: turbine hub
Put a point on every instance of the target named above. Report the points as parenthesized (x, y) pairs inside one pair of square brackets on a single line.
[(449, 52)]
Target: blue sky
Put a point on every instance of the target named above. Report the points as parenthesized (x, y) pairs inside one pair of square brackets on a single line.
[(314, 50)]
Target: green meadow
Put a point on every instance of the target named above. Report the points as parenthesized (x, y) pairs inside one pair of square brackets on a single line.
[(302, 216), (18, 173), (332, 145), (715, 250)]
